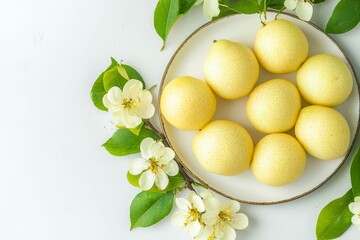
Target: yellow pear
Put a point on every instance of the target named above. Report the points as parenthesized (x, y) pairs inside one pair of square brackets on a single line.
[(231, 69), (274, 106), (278, 159), (223, 147), (187, 103), (324, 79), (281, 46), (323, 132)]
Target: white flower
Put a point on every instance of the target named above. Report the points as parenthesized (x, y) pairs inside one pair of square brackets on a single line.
[(205, 195), (355, 209), (304, 8), (208, 232), (130, 105), (189, 216), (206, 218), (224, 218), (156, 164), (210, 7)]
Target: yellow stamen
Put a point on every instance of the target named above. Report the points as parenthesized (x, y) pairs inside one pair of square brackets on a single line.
[(154, 165), (225, 215), (193, 215), (128, 103)]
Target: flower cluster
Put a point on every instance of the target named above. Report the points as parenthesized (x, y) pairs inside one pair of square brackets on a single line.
[(155, 165), (355, 209), (205, 217), (130, 105), (304, 8)]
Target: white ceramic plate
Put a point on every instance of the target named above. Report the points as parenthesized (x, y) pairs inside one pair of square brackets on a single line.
[(188, 61)]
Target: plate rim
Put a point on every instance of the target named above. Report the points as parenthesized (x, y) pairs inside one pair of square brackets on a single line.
[(184, 166)]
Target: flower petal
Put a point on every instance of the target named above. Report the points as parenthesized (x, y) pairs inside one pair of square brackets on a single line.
[(179, 218), (145, 110), (131, 121), (354, 207), (357, 199), (138, 165), (106, 102), (213, 205), (161, 180), (206, 194), (113, 99), (234, 206), (183, 204), (171, 169), (114, 95), (219, 235), (211, 8), (119, 116), (355, 219), (132, 89), (190, 196), (157, 150), (146, 180), (229, 233), (290, 4), (167, 156), (210, 218), (193, 228), (205, 234), (240, 221), (145, 96), (198, 203), (304, 10), (145, 147)]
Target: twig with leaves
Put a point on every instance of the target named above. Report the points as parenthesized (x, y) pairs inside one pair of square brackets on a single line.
[(158, 172), (345, 16)]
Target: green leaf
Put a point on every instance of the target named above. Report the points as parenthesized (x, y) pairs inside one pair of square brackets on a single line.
[(345, 17), (224, 11), (137, 129), (133, 74), (148, 208), (276, 4), (244, 6), (319, 1), (174, 182), (355, 174), (186, 5), (116, 76), (167, 12), (97, 91), (133, 179), (124, 142), (335, 218)]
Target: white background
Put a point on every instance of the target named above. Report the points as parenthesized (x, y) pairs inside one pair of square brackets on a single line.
[(56, 181)]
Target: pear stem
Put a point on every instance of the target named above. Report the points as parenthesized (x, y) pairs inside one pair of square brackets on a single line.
[(280, 11)]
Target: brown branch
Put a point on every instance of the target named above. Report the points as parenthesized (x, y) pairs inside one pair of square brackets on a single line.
[(187, 179)]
